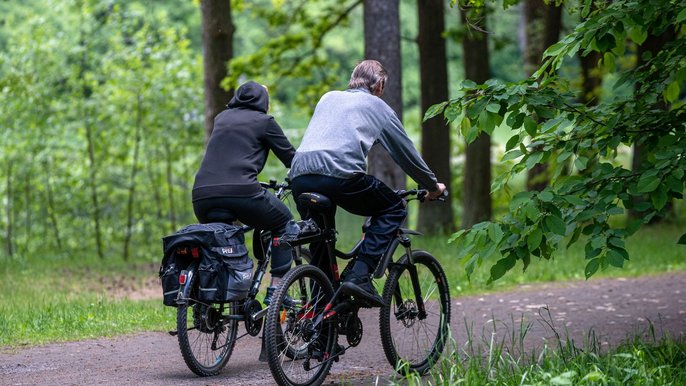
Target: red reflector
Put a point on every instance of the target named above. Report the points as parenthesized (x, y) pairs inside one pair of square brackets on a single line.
[(182, 279), (195, 252), (275, 242)]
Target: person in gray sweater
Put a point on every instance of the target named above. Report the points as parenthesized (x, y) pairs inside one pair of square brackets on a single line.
[(332, 160)]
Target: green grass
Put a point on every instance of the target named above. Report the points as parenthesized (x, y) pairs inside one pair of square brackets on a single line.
[(60, 299), (47, 298), (652, 250), (636, 362)]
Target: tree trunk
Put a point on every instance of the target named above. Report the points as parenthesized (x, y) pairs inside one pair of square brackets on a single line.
[(170, 187), (434, 216), (542, 25), (476, 198), (382, 43), (28, 226), (52, 212), (217, 44), (86, 91), (8, 201), (132, 181)]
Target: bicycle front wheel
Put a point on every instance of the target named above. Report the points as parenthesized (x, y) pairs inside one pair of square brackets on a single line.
[(206, 336), (415, 322), (300, 345)]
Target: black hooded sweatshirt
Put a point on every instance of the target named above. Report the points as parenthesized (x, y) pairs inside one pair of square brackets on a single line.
[(238, 147)]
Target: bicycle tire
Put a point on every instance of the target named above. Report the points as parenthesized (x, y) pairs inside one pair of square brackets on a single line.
[(402, 314), (287, 322), (195, 341)]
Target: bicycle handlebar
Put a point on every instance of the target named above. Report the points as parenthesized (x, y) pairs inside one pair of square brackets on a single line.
[(272, 184), (421, 194)]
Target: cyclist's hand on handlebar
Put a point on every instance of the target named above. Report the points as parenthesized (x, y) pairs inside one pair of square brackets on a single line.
[(437, 193)]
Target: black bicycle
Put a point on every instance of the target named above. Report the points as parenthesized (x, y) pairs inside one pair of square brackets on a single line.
[(207, 332), (310, 311)]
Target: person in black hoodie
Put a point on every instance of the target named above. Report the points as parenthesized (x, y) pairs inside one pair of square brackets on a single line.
[(226, 186)]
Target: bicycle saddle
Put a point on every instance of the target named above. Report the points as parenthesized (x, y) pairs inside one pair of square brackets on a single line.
[(315, 202)]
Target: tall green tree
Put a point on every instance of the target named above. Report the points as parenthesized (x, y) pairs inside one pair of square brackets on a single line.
[(433, 67), (585, 201), (382, 43)]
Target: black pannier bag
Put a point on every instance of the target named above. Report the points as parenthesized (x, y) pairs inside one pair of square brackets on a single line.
[(224, 271)]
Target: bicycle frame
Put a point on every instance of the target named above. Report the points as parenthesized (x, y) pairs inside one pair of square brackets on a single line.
[(327, 236)]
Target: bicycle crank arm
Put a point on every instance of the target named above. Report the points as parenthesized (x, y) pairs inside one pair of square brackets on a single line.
[(259, 314)]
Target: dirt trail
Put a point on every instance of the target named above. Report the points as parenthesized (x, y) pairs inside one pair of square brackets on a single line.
[(612, 308)]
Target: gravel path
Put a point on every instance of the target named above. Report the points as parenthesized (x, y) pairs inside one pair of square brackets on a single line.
[(612, 308)]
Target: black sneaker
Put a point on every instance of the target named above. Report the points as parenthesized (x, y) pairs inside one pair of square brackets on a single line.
[(361, 288)]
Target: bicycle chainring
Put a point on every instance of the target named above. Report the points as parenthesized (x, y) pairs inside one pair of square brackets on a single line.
[(353, 329), (250, 308)]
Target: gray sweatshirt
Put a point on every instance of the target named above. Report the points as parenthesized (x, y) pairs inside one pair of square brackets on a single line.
[(344, 127)]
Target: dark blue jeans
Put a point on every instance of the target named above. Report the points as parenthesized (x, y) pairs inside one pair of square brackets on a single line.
[(363, 195), (263, 211)]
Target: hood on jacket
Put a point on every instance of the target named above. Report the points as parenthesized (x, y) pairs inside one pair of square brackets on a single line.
[(251, 95)]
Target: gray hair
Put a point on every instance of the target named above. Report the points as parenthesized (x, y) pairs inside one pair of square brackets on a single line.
[(368, 74)]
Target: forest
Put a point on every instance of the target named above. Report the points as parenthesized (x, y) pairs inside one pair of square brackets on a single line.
[(550, 120)]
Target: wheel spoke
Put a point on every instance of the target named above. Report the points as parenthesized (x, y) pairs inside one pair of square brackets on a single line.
[(407, 336)]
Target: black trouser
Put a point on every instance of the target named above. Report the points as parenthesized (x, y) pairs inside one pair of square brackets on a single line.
[(363, 195), (263, 211)]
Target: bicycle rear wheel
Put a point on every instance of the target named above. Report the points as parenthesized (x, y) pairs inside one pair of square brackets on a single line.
[(206, 336), (298, 348), (413, 339)]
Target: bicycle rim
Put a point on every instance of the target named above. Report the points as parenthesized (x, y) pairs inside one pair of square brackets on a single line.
[(299, 351), (411, 341), (206, 337)]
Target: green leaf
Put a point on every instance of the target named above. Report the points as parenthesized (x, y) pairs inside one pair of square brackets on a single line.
[(581, 162), (530, 126), (574, 200), (592, 267), (681, 17), (638, 35), (456, 235), (487, 122), (495, 233), (465, 125), (554, 49), (533, 159), (519, 199), (516, 153), (468, 83), (434, 110), (682, 239), (546, 196), (556, 225), (659, 198), (512, 142), (615, 210), (493, 107), (503, 265), (647, 184), (533, 240), (672, 92), (615, 258)]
